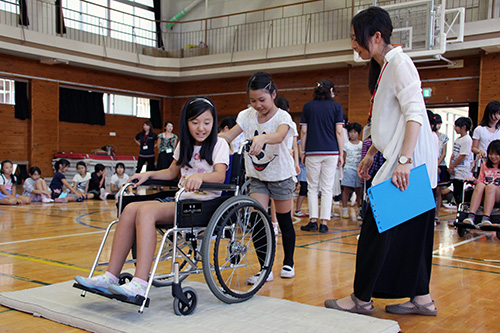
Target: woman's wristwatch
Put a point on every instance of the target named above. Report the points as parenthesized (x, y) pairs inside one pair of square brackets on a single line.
[(404, 160)]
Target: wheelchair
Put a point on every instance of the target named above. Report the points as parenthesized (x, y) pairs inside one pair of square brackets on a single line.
[(229, 239), (463, 213)]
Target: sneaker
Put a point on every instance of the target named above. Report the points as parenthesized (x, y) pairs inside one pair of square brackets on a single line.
[(311, 226), (298, 213), (103, 194), (345, 213), (468, 220), (100, 282), (359, 217), (47, 200), (287, 272), (130, 289), (449, 205), (485, 223), (323, 228), (334, 214), (253, 279)]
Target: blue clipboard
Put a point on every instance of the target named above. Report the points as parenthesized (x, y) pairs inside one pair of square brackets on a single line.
[(391, 206)]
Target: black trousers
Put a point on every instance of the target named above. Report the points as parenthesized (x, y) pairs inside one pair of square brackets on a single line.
[(396, 263), (143, 160)]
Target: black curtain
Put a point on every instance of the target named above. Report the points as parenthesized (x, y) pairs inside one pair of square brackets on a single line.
[(79, 106), (474, 113), (154, 108), (22, 106), (157, 10), (23, 13), (60, 27)]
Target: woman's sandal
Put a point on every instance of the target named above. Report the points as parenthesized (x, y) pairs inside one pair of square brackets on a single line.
[(420, 309), (367, 308)]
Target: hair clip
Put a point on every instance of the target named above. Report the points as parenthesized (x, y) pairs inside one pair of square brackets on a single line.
[(319, 84), (201, 99), (268, 86)]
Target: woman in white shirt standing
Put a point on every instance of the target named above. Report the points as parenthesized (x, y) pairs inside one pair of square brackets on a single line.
[(396, 263)]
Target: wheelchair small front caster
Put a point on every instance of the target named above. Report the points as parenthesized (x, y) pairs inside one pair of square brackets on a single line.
[(183, 309), (461, 231), (124, 278)]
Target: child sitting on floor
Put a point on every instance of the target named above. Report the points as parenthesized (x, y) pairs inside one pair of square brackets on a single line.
[(36, 188)]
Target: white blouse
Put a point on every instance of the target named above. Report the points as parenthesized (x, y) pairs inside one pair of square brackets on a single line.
[(398, 100)]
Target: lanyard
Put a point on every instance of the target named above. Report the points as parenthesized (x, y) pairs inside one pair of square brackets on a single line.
[(146, 139), (375, 91)]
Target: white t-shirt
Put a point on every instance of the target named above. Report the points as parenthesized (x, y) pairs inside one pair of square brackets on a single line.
[(220, 155), (462, 146), (484, 136), (7, 183), (81, 182), (117, 181), (275, 162), (353, 154), (443, 139)]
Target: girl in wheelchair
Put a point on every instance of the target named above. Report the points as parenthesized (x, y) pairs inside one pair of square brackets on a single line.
[(487, 186), (199, 157)]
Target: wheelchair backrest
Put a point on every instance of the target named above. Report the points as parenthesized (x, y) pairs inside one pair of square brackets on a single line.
[(236, 172)]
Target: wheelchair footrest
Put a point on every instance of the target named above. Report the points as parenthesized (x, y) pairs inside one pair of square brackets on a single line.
[(483, 228), (137, 300)]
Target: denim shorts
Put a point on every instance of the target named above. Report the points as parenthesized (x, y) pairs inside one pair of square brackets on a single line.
[(351, 178), (279, 190)]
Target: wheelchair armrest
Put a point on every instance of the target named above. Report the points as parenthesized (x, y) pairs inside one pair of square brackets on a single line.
[(217, 186), (156, 182)]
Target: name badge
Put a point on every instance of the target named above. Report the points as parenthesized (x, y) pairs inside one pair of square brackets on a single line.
[(169, 150), (145, 147)]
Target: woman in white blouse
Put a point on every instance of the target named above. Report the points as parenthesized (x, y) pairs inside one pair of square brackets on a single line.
[(396, 263)]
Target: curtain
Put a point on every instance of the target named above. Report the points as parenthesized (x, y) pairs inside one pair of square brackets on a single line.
[(80, 106), (157, 11), (23, 13), (474, 113), (22, 106), (60, 27), (154, 108)]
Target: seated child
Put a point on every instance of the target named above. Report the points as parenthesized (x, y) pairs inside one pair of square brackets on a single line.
[(8, 194), (59, 182), (199, 157), (97, 182), (487, 186), (118, 179), (81, 180), (36, 188)]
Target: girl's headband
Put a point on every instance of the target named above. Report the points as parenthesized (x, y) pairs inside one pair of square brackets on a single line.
[(202, 99)]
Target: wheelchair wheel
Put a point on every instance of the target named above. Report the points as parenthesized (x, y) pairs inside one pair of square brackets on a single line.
[(182, 309), (245, 188), (239, 243), (461, 231), (124, 278)]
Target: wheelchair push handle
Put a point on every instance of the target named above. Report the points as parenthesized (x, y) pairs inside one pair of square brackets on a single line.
[(246, 147)]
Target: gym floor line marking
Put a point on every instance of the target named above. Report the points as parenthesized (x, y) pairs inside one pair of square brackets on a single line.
[(24, 279), (43, 261), (52, 237), (7, 310), (454, 245), (329, 240), (466, 268), (467, 261)]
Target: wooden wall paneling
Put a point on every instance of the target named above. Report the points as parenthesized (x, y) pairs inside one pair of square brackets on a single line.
[(453, 85), (44, 125), (14, 135), (489, 86), (359, 95)]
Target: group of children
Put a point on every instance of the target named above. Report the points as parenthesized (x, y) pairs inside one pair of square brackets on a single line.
[(85, 185)]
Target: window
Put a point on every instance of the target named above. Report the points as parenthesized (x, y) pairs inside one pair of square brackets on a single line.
[(9, 6), (7, 91), (131, 21), (126, 105)]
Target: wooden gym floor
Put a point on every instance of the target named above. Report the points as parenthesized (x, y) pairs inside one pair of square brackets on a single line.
[(43, 244)]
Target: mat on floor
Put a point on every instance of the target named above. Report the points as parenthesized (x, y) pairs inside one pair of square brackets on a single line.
[(62, 303)]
